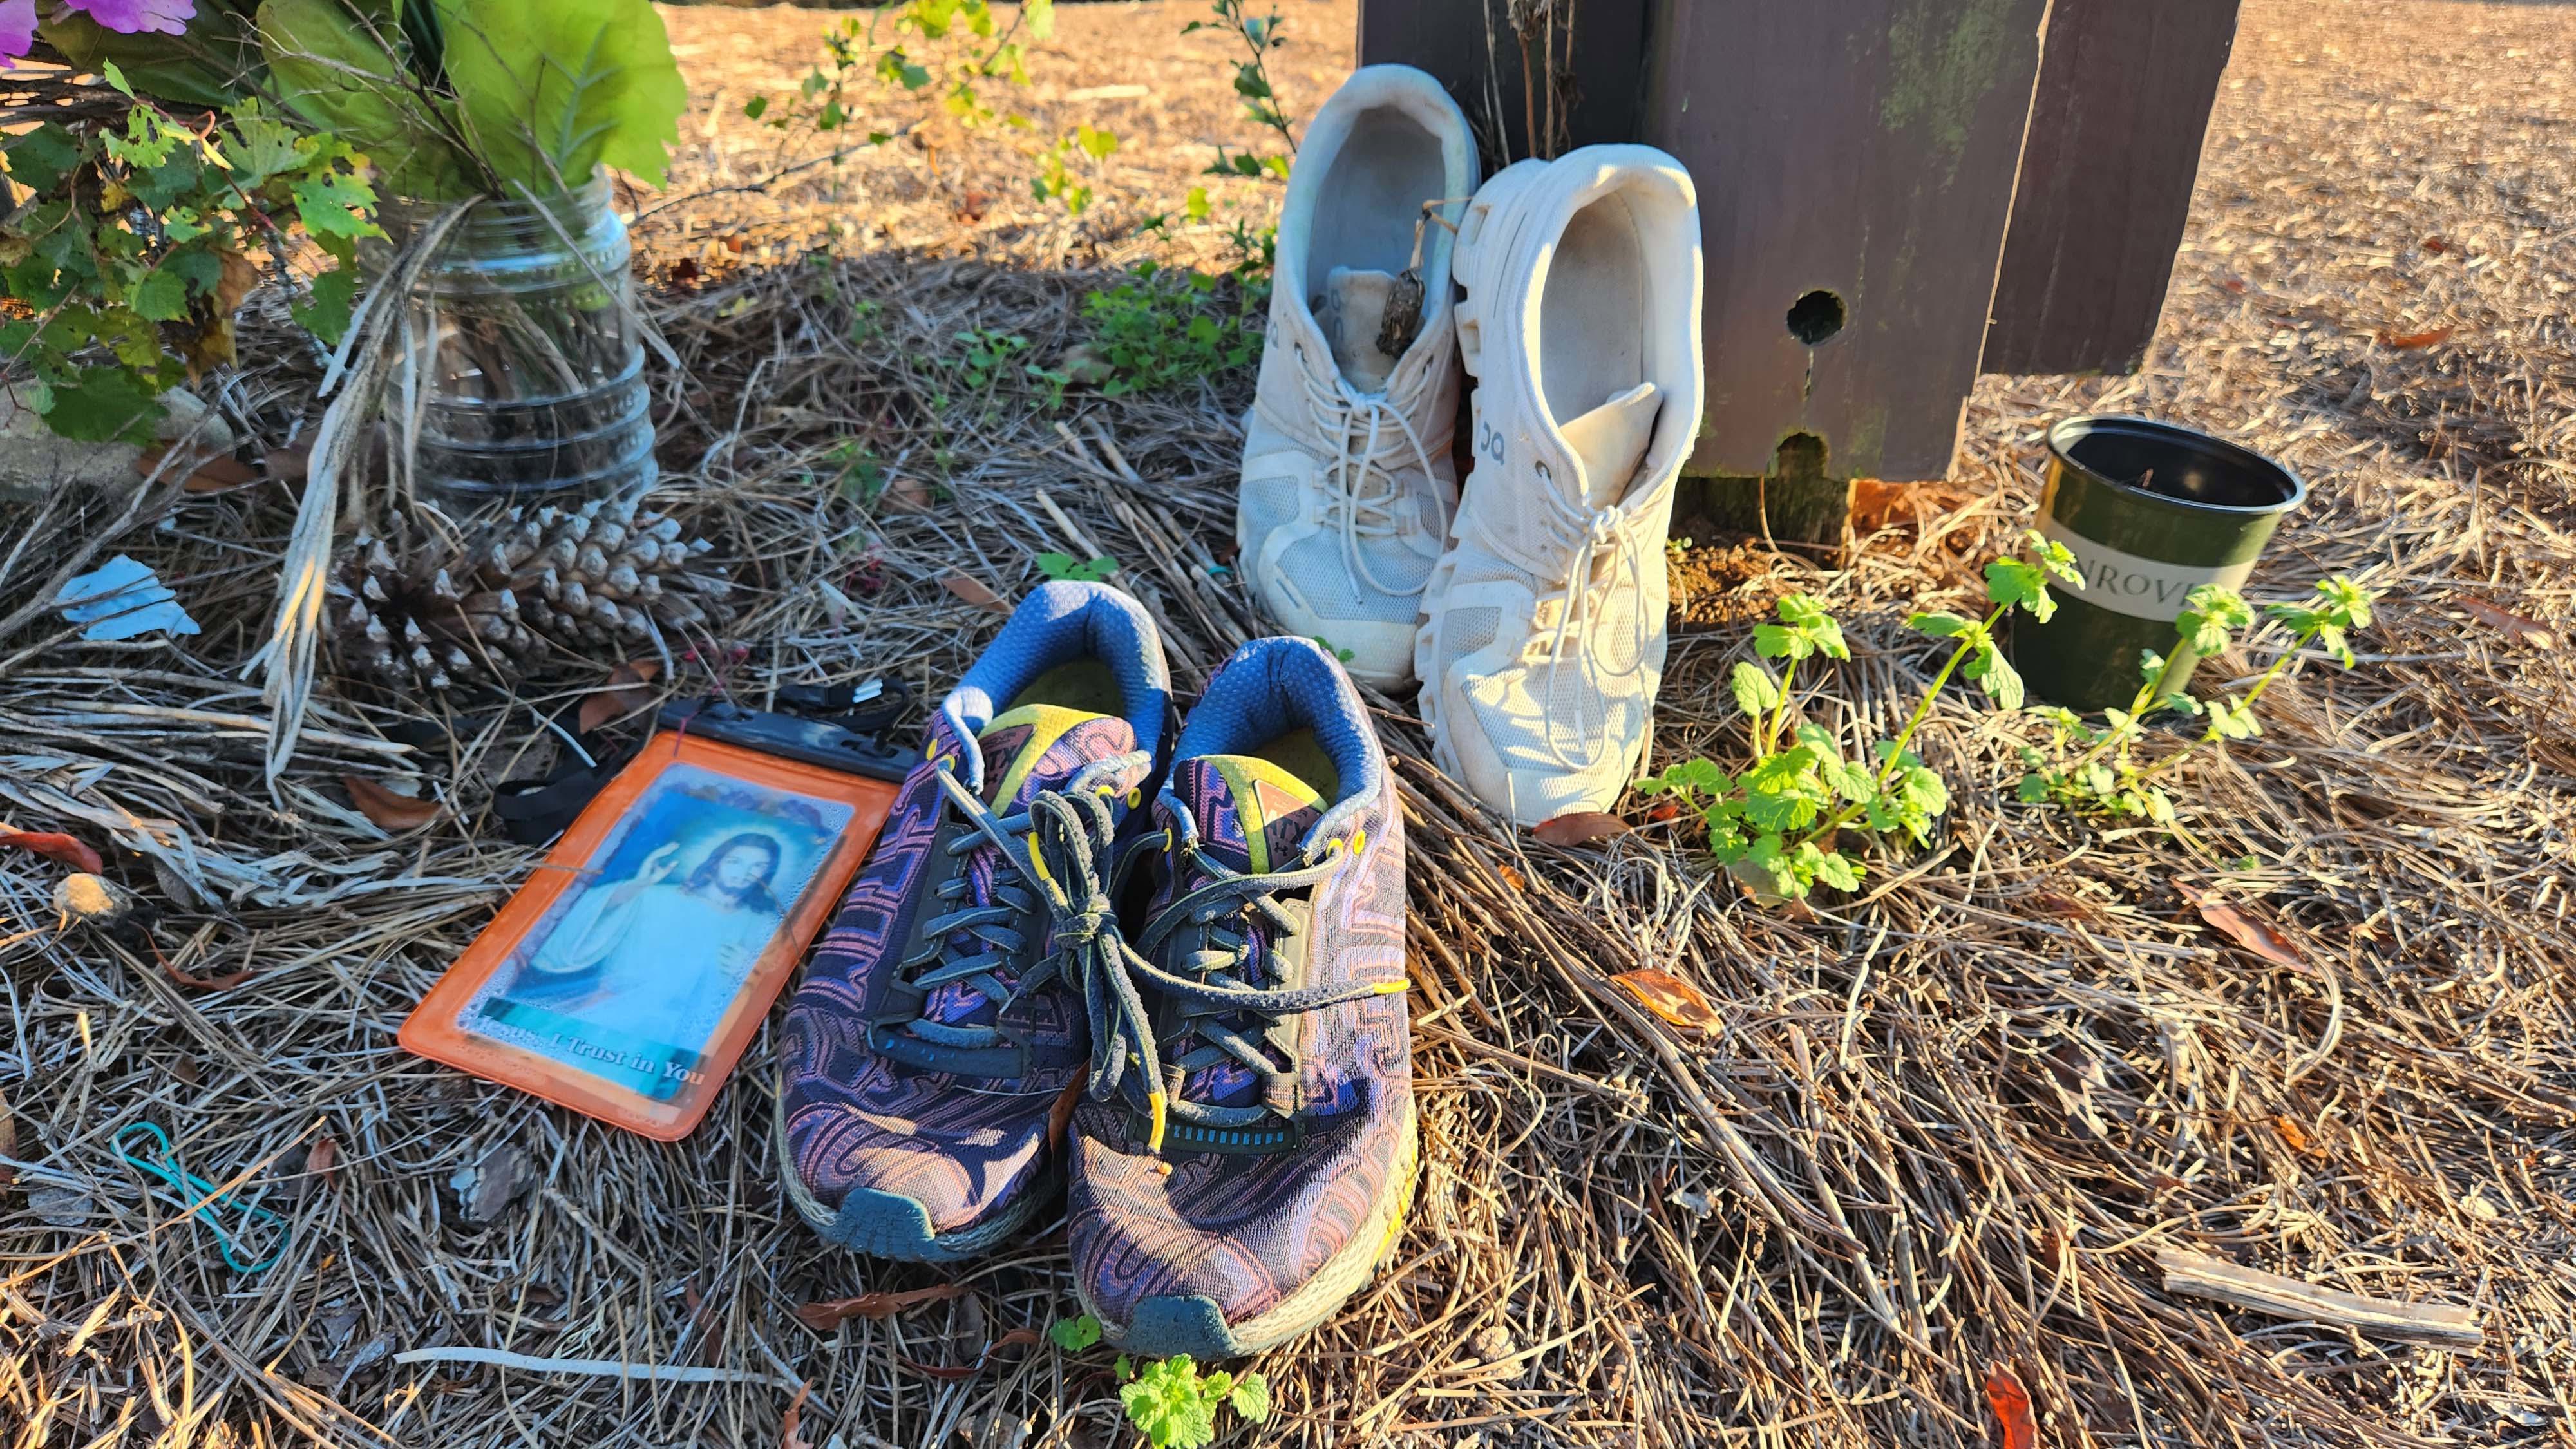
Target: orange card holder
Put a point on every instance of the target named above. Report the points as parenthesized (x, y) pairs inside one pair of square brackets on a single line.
[(627, 976)]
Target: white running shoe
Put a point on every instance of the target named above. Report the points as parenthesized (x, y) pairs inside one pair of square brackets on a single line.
[(1347, 478), (1543, 635)]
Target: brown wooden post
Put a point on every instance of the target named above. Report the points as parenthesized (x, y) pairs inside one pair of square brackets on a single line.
[(2125, 91)]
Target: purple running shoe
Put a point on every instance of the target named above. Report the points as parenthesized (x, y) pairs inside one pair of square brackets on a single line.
[(933, 1053), (1246, 1152)]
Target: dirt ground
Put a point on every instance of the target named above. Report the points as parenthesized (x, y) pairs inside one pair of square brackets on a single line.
[(1942, 1126)]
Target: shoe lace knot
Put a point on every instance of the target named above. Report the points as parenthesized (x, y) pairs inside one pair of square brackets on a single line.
[(1370, 438)]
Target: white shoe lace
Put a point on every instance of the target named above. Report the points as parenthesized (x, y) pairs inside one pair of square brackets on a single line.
[(1357, 424), (1583, 600)]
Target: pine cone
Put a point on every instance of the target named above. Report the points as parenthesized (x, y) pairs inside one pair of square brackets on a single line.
[(415, 609)]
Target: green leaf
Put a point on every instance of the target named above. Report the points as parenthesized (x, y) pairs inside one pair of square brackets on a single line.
[(41, 158), (549, 91), (1939, 625), (1073, 1335), (335, 204), (2034, 789), (1168, 1403), (100, 404), (340, 77), (1836, 870), (1251, 1397), (161, 296), (2000, 680), (327, 315), (1756, 691), (2211, 614), (2011, 583), (2053, 557), (756, 107), (1783, 793)]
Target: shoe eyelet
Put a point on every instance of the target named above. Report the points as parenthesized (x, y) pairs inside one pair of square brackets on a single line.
[(1136, 797), (1359, 841)]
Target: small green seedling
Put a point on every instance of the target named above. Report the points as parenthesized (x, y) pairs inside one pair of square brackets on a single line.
[(2095, 771), (1085, 571), (1174, 1405), (1073, 1335), (1779, 825), (1328, 647)]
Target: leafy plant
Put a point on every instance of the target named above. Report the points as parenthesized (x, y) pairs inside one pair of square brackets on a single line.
[(949, 47), (1260, 34), (1081, 571), (1173, 1404), (1779, 825), (1055, 179), (455, 98), (1073, 1335), (1166, 327), (2103, 777), (134, 249)]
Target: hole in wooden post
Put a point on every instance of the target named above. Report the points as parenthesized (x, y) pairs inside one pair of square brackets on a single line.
[(1816, 317)]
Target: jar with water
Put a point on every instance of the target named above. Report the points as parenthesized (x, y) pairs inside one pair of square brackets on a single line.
[(523, 374)]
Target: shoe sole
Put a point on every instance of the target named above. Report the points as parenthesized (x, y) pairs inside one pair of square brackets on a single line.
[(890, 1225), (1196, 1325)]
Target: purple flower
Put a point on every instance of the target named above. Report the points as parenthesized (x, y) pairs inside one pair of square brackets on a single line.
[(17, 30), (130, 17)]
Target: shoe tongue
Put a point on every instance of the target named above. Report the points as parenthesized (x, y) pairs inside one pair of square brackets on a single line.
[(1354, 314), (1251, 814), (1041, 746), (1611, 439)]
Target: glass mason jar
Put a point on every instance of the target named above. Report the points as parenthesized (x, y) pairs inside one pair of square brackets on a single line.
[(526, 354)]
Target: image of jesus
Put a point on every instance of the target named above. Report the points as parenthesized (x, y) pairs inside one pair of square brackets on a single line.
[(658, 958)]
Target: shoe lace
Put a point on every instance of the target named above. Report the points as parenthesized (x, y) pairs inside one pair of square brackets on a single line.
[(1371, 438), (993, 914), (1584, 599), (1212, 985)]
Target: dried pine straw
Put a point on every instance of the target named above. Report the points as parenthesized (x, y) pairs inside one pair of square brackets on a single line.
[(1945, 1125)]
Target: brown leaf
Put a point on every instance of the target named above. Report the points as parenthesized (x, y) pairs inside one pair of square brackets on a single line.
[(624, 694), (1513, 878), (485, 1190), (825, 1316), (64, 848), (8, 1144), (2012, 1408), (973, 590), (2233, 287), (287, 465), (322, 1160), (905, 494), (791, 1429), (1670, 997), (212, 473), (234, 282), (2292, 1133), (390, 812), (2415, 339), (2511, 625), (224, 982), (2435, 245), (2247, 930), (1582, 827)]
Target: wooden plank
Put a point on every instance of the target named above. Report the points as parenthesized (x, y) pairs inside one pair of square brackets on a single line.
[(1470, 47), (1864, 149), (2123, 102), (2203, 1276)]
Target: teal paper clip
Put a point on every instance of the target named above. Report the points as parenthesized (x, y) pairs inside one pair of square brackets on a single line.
[(164, 1164)]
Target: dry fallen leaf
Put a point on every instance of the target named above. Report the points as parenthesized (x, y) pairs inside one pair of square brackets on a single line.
[(1512, 878), (287, 465), (625, 693), (2511, 625), (954, 1373), (8, 1144), (905, 494), (2247, 930), (791, 1429), (824, 1316), (65, 848), (2292, 1133), (973, 590), (1580, 828), (2012, 1408), (1670, 997), (389, 811), (322, 1160), (2435, 245), (2415, 339)]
